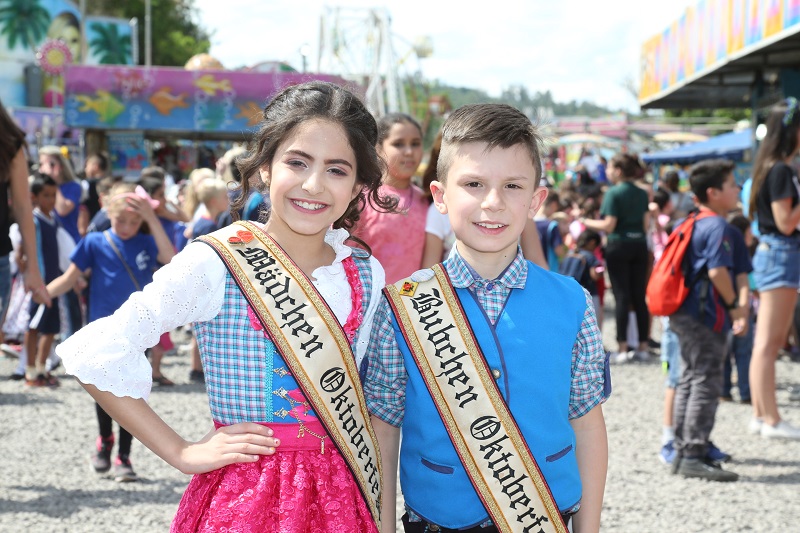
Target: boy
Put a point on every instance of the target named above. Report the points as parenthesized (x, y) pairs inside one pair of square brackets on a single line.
[(213, 194), (549, 232), (488, 169), (583, 265), (718, 296), (44, 321)]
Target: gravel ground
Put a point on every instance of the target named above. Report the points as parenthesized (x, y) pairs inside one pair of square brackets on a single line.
[(47, 484)]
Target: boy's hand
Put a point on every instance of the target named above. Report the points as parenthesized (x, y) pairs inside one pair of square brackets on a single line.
[(245, 442), (739, 313), (740, 326)]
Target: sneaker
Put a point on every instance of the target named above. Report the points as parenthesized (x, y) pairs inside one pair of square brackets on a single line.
[(754, 427), (198, 376), (123, 470), (16, 377), (101, 458), (697, 468), (643, 356), (667, 453), (716, 455), (782, 430), (621, 358)]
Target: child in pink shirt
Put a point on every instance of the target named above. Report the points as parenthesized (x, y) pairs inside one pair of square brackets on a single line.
[(398, 239)]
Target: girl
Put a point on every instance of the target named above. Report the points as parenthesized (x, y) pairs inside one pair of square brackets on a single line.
[(775, 202), (14, 187), (398, 239), (122, 261), (316, 152)]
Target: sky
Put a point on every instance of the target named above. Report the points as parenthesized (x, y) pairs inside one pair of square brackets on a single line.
[(578, 49)]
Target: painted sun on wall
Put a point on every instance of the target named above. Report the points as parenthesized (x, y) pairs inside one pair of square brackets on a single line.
[(40, 38)]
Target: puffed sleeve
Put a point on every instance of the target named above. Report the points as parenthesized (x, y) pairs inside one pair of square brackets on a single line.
[(109, 352)]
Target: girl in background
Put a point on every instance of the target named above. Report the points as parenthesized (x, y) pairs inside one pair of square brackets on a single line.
[(398, 239), (775, 203)]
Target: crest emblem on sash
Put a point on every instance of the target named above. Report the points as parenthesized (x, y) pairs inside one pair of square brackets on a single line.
[(408, 288)]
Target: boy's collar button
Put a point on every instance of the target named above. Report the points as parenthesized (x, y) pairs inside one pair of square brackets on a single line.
[(489, 286)]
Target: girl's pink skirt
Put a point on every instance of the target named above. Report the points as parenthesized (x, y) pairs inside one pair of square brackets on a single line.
[(296, 490)]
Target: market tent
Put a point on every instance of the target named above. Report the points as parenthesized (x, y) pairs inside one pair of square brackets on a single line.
[(729, 146)]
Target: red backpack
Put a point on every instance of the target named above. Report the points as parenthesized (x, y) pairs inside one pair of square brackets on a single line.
[(668, 287)]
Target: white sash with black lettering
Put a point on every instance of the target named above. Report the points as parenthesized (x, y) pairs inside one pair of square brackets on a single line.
[(481, 427), (311, 341)]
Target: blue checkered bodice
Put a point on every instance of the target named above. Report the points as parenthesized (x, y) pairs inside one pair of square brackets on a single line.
[(245, 375)]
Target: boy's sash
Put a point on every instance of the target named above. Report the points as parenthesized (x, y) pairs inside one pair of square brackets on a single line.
[(481, 427), (311, 341)]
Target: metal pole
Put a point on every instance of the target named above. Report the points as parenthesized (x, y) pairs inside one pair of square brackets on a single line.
[(83, 31), (148, 34)]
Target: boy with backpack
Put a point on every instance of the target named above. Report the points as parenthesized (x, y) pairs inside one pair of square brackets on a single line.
[(583, 265), (704, 254)]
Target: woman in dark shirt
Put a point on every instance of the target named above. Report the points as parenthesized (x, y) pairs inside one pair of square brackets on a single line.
[(14, 180), (775, 201), (625, 221)]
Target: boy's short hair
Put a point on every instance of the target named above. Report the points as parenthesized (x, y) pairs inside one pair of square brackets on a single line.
[(661, 197), (497, 125), (104, 185), (153, 172), (587, 237), (210, 189), (101, 159), (711, 173), (739, 221), (39, 182)]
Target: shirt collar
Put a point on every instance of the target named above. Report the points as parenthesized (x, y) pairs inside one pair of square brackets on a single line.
[(463, 276)]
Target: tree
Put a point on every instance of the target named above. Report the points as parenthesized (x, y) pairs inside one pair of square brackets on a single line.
[(177, 35), (25, 21), (109, 45)]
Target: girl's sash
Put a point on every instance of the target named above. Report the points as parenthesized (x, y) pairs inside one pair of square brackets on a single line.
[(481, 427), (311, 341)]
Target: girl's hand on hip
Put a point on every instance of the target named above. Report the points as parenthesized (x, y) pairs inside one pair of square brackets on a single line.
[(245, 442)]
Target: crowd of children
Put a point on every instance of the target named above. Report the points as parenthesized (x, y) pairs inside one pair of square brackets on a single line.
[(338, 214)]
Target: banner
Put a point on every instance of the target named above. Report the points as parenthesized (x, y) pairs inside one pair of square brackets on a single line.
[(709, 33), (173, 99), (128, 153)]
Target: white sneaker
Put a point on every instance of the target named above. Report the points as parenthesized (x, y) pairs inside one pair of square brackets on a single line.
[(621, 358), (754, 427), (642, 356), (782, 430)]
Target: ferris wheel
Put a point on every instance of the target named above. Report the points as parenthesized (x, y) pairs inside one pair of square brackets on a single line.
[(358, 44)]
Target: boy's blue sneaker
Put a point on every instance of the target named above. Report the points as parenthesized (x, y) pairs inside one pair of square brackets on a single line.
[(667, 453), (717, 455)]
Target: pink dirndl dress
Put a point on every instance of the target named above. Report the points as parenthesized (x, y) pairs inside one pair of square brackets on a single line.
[(306, 486), (298, 489)]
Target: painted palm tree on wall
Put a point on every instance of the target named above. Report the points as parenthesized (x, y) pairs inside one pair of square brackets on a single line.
[(23, 22), (109, 45)]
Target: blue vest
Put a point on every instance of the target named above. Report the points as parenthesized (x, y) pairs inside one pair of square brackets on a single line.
[(531, 345)]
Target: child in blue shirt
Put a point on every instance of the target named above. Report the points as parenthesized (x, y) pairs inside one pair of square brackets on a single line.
[(45, 322), (718, 302), (213, 194), (489, 170), (122, 261)]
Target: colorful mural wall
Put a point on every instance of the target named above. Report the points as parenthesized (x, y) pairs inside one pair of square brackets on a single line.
[(46, 35), (709, 32), (172, 99)]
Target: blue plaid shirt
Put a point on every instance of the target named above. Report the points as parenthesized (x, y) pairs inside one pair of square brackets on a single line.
[(386, 378)]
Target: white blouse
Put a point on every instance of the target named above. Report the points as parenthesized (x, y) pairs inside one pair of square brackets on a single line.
[(109, 352)]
